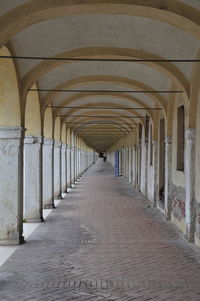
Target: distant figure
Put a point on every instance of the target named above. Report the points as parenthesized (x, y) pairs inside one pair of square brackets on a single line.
[(104, 159)]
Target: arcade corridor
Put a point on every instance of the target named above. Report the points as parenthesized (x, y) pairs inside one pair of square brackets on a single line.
[(104, 241)]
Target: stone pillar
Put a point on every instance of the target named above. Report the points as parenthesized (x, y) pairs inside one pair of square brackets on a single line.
[(155, 172), (57, 169), (48, 166), (134, 166), (190, 141), (72, 166), (75, 163), (130, 164), (63, 167), (82, 161), (68, 167), (11, 185), (33, 209), (144, 168), (168, 176), (78, 159)]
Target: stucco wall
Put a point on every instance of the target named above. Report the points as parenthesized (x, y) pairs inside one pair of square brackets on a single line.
[(178, 177)]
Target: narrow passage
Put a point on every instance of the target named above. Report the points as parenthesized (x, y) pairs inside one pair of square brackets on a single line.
[(103, 242)]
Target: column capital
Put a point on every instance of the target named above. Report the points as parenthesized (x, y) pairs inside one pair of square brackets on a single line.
[(190, 134), (64, 146), (155, 142), (168, 140), (33, 140), (57, 143), (11, 132), (48, 141)]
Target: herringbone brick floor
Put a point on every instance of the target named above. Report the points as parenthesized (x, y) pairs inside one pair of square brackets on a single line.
[(103, 242)]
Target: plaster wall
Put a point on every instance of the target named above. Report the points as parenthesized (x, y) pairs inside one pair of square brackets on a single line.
[(32, 114), (57, 129), (197, 158), (178, 177), (9, 93), (48, 124), (197, 178)]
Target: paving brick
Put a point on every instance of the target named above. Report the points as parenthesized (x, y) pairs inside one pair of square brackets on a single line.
[(103, 242)]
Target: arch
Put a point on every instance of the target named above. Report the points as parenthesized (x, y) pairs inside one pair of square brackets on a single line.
[(158, 98), (172, 12), (110, 95), (48, 123), (108, 104), (68, 135), (32, 114), (170, 113), (63, 133), (195, 94), (116, 122), (112, 53), (57, 129), (10, 113), (119, 120), (100, 127)]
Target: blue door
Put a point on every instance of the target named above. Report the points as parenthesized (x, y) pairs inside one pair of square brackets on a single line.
[(116, 163)]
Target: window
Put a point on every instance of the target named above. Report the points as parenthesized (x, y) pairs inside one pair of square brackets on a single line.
[(180, 138)]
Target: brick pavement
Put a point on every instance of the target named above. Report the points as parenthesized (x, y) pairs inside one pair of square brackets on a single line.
[(103, 242)]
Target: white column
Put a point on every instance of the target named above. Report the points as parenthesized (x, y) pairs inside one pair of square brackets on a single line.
[(82, 161), (48, 187), (11, 185), (144, 164), (190, 141), (78, 167), (63, 167), (75, 163), (155, 172), (57, 169), (32, 179), (72, 170), (68, 167), (134, 166), (168, 176), (130, 164)]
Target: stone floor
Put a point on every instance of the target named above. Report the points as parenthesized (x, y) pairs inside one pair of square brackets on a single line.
[(103, 242)]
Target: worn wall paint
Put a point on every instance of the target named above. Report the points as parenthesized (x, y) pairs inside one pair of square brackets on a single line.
[(32, 114), (9, 92), (48, 123)]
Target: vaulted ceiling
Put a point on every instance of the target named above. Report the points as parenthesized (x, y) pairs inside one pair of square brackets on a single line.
[(103, 36)]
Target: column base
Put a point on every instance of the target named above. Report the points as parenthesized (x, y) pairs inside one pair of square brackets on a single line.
[(49, 206), (33, 220), (12, 242)]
